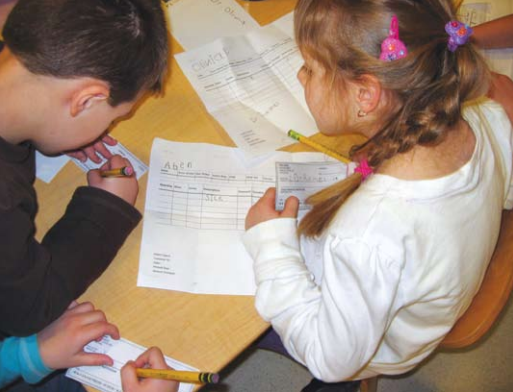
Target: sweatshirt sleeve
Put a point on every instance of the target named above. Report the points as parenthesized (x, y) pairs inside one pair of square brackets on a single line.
[(19, 357), (39, 280), (333, 327)]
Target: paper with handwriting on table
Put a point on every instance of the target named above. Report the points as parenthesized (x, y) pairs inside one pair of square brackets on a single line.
[(197, 22), (249, 84), (108, 378), (197, 199)]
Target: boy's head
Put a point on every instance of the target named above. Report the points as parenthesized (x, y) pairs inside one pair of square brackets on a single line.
[(77, 65), (122, 42)]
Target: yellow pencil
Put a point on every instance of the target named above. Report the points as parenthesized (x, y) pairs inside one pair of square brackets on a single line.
[(179, 375), (319, 147), (125, 171)]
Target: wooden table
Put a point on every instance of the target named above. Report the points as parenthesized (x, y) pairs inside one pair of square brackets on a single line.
[(205, 331)]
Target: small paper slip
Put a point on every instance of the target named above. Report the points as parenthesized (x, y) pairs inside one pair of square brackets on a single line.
[(139, 166), (108, 378), (197, 22), (303, 179), (48, 167)]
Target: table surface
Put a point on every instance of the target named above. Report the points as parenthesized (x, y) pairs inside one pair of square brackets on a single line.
[(204, 331)]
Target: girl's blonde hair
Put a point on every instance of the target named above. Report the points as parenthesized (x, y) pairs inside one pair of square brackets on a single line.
[(428, 86)]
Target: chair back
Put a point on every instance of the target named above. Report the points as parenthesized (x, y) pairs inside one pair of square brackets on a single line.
[(492, 295)]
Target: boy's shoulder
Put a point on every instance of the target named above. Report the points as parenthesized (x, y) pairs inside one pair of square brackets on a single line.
[(16, 182)]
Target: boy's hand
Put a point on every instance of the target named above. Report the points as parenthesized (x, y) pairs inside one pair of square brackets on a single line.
[(61, 343), (123, 187), (91, 151), (154, 359), (263, 210)]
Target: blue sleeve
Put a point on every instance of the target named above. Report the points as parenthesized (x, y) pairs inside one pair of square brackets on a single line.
[(19, 357)]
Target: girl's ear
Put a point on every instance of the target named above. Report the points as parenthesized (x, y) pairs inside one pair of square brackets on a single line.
[(88, 96), (369, 93)]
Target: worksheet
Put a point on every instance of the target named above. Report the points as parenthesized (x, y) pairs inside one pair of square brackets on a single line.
[(303, 179), (197, 22), (108, 378), (197, 199), (249, 85)]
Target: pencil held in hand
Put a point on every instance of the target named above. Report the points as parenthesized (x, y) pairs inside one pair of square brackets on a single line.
[(125, 171), (179, 375)]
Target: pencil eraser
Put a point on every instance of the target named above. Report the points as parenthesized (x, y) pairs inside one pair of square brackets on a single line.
[(128, 171)]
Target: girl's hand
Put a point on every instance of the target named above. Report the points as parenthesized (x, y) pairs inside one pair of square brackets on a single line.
[(91, 151), (124, 187), (154, 359), (263, 210), (61, 343)]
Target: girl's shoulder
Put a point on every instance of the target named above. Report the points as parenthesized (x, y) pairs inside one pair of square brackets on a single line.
[(487, 113)]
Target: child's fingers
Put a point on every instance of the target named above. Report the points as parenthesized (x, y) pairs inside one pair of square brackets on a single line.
[(90, 152), (72, 305), (93, 359), (109, 140), (291, 208), (101, 149), (81, 156), (268, 198), (129, 380), (97, 330), (154, 357), (84, 307)]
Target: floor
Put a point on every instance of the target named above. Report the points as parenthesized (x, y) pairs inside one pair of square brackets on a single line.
[(485, 367)]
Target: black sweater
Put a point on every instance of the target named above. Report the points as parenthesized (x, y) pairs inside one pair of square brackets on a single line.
[(39, 280)]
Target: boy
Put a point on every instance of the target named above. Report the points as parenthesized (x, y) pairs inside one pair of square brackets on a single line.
[(68, 69)]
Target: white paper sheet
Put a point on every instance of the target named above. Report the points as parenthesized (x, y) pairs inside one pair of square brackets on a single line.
[(249, 84), (197, 199), (197, 22), (303, 179), (286, 24), (48, 167), (139, 166), (108, 378)]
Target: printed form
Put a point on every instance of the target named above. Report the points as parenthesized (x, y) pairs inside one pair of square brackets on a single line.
[(303, 179), (249, 84), (197, 199), (108, 378)]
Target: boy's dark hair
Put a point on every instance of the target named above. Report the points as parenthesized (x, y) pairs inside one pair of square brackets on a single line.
[(122, 42)]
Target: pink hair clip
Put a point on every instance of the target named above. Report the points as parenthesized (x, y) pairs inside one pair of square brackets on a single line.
[(458, 34), (364, 169), (392, 48)]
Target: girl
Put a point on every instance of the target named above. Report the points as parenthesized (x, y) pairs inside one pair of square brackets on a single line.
[(390, 258)]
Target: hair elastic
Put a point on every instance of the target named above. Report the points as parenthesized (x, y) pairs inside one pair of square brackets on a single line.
[(458, 34), (364, 169), (392, 48)]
